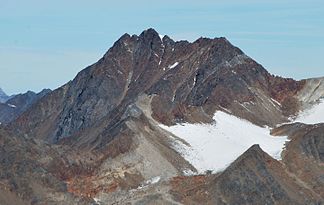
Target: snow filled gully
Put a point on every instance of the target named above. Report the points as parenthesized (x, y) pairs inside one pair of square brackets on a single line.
[(215, 146)]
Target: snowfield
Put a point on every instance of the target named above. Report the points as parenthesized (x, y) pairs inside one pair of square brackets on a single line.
[(215, 146), (312, 116)]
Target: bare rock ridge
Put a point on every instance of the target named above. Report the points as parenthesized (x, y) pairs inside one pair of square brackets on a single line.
[(98, 140)]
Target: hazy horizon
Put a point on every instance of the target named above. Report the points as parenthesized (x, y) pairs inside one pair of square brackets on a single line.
[(45, 44)]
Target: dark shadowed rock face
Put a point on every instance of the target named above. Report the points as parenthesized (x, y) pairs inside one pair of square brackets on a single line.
[(18, 104), (189, 82)]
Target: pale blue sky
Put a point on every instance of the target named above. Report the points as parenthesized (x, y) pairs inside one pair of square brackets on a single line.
[(43, 44)]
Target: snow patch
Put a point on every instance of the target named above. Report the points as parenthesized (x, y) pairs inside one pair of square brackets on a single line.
[(227, 110), (188, 172), (97, 200), (13, 106), (215, 146), (276, 102), (244, 105), (151, 181), (313, 115), (195, 81), (161, 36), (174, 65), (173, 97), (154, 180)]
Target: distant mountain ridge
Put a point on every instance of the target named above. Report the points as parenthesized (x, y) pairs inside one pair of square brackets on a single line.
[(17, 104)]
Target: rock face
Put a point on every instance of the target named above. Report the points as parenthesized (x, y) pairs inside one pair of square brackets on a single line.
[(98, 136), (312, 91), (17, 104)]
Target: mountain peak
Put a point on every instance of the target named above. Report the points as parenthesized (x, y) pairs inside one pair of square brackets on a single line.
[(150, 31), (150, 35), (124, 36), (255, 148), (254, 152)]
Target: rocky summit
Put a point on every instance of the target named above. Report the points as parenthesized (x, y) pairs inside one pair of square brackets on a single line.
[(124, 131)]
